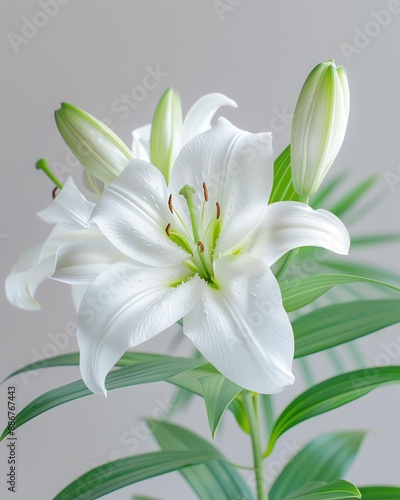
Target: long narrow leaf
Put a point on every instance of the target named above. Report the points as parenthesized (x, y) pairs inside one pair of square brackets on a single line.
[(140, 373), (283, 187), (340, 323), (338, 490), (217, 480), (327, 458), (115, 475), (332, 394), (380, 492), (301, 292)]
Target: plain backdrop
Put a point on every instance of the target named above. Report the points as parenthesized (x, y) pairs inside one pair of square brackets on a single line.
[(93, 53)]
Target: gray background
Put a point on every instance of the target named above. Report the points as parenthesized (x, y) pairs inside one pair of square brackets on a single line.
[(256, 52)]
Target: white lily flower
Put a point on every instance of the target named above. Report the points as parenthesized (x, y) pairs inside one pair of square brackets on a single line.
[(201, 249), (169, 132), (75, 249), (319, 126)]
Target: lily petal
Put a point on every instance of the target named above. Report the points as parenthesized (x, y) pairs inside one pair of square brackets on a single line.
[(125, 306), (77, 294), (25, 277), (70, 208), (82, 255), (133, 214), (242, 328), (237, 167), (288, 224), (141, 143), (199, 116)]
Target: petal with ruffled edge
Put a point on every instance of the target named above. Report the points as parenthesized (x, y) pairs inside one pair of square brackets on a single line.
[(288, 224), (242, 328), (237, 167), (27, 274), (198, 118), (133, 214), (125, 306), (141, 143), (70, 208)]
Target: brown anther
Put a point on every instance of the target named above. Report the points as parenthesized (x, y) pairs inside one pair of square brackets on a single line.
[(205, 189), (218, 209), (55, 191), (167, 229), (201, 246), (171, 208)]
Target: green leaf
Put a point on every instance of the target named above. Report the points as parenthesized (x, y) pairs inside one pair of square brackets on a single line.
[(72, 359), (218, 393), (115, 475), (218, 480), (343, 206), (337, 324), (374, 239), (283, 187), (239, 412), (332, 394), (327, 458), (140, 373), (300, 292), (380, 493), (267, 412), (323, 194), (361, 269), (337, 490)]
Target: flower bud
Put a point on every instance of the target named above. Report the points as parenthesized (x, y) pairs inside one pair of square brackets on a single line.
[(166, 131), (319, 126), (97, 147)]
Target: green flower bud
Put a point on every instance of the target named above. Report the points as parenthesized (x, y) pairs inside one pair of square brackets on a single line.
[(96, 146), (319, 126), (166, 131)]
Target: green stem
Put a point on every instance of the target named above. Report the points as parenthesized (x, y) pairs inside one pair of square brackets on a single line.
[(252, 406)]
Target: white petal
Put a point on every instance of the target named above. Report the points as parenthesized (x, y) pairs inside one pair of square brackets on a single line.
[(83, 255), (133, 213), (199, 116), (141, 143), (237, 168), (287, 225), (69, 209), (25, 277), (242, 328), (125, 306)]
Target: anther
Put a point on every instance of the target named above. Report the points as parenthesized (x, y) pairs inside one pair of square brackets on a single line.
[(55, 191), (167, 229), (171, 208), (201, 246), (205, 189), (218, 209)]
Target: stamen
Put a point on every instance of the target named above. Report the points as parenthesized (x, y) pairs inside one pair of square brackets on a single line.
[(43, 164), (205, 189), (167, 229), (218, 210), (55, 191), (201, 246), (171, 208)]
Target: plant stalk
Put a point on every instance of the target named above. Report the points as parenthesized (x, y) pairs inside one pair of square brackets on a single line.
[(252, 406)]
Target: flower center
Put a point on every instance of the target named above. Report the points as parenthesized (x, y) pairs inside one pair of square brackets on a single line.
[(199, 239)]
